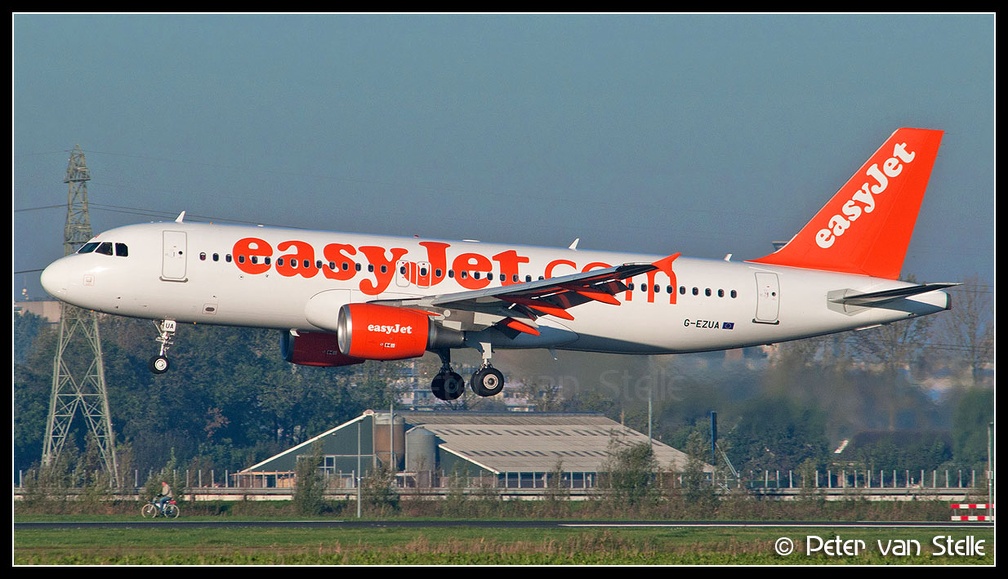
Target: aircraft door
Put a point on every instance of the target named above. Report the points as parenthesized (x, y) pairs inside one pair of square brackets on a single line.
[(173, 257), (405, 270), (767, 298), (412, 273), (423, 274)]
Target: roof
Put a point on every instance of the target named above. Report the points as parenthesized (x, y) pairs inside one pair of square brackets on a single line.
[(540, 442)]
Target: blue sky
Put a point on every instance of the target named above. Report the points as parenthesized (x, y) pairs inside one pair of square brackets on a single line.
[(702, 134)]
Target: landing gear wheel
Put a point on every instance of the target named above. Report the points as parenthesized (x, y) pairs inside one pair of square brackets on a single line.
[(447, 386), (159, 364), (487, 381)]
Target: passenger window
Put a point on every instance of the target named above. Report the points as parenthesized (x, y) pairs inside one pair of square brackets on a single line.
[(202, 256)]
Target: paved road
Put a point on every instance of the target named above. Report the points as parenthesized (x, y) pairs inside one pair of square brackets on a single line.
[(354, 523)]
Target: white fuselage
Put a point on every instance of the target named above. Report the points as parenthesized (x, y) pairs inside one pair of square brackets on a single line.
[(294, 279)]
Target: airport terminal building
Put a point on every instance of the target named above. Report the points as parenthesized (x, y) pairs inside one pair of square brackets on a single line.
[(432, 449)]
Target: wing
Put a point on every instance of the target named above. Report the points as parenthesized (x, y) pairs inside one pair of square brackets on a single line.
[(514, 308)]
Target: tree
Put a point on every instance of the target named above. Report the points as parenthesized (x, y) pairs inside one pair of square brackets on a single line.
[(968, 328), (26, 327), (309, 491), (631, 469), (895, 348), (776, 433), (970, 421)]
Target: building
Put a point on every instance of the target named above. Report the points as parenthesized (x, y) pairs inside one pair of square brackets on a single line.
[(431, 450), (50, 310)]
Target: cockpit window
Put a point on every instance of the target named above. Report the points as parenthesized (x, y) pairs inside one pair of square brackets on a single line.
[(105, 248)]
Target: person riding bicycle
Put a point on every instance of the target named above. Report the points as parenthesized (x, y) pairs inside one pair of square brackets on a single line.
[(163, 497)]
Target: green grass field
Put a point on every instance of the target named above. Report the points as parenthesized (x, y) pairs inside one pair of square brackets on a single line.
[(383, 541), (161, 542)]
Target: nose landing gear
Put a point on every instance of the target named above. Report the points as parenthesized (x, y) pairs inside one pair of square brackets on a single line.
[(166, 330)]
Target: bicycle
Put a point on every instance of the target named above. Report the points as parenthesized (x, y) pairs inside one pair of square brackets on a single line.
[(151, 510)]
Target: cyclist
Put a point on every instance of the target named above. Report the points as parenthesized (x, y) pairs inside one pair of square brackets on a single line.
[(163, 497)]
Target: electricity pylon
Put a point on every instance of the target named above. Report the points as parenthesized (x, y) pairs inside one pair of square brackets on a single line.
[(78, 369)]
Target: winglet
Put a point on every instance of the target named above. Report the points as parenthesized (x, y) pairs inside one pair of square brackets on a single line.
[(866, 227), (180, 217)]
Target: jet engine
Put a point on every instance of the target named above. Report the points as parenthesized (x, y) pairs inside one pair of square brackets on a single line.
[(377, 332), (314, 349)]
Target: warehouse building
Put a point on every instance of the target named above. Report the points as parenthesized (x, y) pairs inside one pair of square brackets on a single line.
[(431, 449)]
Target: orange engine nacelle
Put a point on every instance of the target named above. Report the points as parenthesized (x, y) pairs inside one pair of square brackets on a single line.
[(377, 332), (314, 349)]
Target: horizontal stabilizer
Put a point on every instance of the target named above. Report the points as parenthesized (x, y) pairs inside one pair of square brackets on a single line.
[(872, 298)]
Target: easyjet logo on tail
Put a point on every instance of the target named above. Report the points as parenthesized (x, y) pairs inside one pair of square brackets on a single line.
[(862, 201)]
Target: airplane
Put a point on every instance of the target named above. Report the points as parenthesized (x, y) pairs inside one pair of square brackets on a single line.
[(344, 298)]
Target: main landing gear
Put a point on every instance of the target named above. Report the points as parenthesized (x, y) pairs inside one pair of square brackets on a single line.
[(448, 384), (166, 330)]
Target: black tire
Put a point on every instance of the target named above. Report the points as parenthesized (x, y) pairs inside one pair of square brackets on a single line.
[(487, 382), (454, 386), (437, 387), (159, 364)]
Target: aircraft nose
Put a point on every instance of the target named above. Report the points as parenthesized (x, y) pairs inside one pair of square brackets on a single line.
[(54, 278)]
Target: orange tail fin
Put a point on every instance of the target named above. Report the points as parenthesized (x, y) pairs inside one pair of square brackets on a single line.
[(866, 227)]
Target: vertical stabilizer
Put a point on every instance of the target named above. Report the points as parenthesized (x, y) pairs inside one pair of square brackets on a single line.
[(866, 227)]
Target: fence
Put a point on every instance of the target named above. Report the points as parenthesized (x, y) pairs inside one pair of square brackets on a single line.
[(958, 482), (971, 507)]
